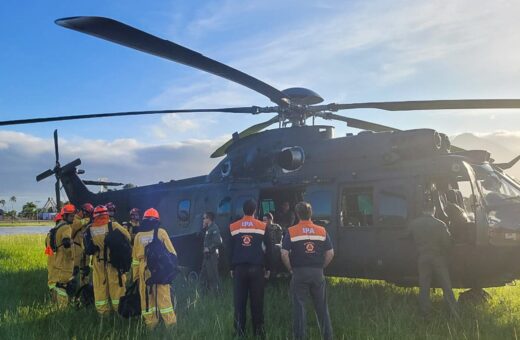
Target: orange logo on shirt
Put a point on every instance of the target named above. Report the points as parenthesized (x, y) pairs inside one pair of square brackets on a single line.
[(309, 247), (246, 240)]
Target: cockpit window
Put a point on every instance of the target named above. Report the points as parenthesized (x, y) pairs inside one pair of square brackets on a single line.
[(495, 186)]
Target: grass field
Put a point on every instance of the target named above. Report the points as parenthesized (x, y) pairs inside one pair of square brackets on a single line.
[(25, 223), (359, 309)]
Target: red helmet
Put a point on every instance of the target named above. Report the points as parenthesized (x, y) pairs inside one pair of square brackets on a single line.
[(151, 214), (68, 209), (88, 208), (58, 217), (100, 210)]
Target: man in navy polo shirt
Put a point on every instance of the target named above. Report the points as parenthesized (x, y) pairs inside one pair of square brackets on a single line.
[(306, 251)]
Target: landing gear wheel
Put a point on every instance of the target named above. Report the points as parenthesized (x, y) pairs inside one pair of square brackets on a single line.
[(474, 296)]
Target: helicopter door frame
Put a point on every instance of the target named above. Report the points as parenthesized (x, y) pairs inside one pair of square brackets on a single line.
[(356, 236)]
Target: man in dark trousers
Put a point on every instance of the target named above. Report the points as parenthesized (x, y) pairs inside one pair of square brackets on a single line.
[(212, 241), (432, 239), (306, 251), (248, 250)]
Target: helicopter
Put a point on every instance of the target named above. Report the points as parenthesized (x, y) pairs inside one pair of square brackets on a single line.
[(363, 188)]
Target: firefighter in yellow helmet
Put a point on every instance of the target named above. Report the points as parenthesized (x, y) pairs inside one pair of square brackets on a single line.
[(60, 257), (156, 300), (107, 279), (81, 261)]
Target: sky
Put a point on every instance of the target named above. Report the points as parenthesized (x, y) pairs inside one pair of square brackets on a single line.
[(346, 51)]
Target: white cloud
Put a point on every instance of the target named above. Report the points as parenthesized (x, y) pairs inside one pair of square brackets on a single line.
[(122, 160)]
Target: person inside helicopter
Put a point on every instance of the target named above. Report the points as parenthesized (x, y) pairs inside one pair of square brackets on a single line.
[(457, 216)]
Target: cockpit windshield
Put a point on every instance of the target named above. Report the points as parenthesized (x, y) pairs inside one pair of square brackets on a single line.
[(496, 187)]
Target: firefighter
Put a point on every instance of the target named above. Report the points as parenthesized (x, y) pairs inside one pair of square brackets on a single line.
[(156, 300), (107, 281), (81, 262), (249, 246), (306, 251), (209, 278), (111, 207), (60, 257), (133, 225)]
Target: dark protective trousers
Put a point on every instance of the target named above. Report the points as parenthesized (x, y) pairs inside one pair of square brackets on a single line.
[(209, 273), (248, 281), (429, 266), (309, 281)]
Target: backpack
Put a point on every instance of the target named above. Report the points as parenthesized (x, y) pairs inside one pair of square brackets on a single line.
[(162, 264), (120, 251), (52, 237), (130, 303), (88, 244)]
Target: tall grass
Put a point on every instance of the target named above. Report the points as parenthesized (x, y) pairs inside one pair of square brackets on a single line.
[(360, 309)]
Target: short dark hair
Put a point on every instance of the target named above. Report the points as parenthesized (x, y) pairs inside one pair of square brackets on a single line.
[(303, 210), (210, 215), (249, 207)]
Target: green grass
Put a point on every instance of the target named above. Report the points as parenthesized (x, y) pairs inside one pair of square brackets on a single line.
[(360, 309), (6, 223)]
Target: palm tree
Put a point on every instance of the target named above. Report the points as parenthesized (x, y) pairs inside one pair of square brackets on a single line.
[(13, 201)]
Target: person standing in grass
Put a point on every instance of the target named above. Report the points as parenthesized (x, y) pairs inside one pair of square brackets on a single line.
[(306, 251), (60, 257), (432, 239), (209, 278), (151, 241), (249, 249)]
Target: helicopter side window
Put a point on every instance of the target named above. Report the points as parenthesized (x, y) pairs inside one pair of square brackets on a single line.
[(267, 206), (183, 210), (224, 207), (393, 206), (321, 202), (357, 206)]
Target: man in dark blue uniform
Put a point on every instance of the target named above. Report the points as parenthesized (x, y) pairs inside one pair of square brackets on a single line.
[(306, 251), (249, 248)]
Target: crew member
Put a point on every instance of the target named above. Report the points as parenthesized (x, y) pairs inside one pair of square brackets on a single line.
[(275, 233), (249, 244), (60, 257), (133, 225), (212, 241), (106, 280), (159, 298), (81, 262), (432, 239), (306, 251), (111, 207), (285, 217), (458, 219)]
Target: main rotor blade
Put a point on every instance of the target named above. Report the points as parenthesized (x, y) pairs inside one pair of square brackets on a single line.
[(113, 184), (457, 104), (250, 109), (56, 153), (221, 151), (128, 36), (357, 123)]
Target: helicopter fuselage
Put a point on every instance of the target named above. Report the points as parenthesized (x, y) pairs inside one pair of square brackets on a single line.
[(364, 189)]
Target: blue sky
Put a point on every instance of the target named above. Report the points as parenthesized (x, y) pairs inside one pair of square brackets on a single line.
[(351, 51)]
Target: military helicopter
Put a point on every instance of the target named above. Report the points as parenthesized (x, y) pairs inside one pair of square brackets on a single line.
[(364, 188)]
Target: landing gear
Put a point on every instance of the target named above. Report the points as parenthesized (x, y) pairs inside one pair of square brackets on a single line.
[(474, 296)]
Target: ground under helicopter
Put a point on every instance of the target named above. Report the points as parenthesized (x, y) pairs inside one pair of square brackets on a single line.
[(364, 188)]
